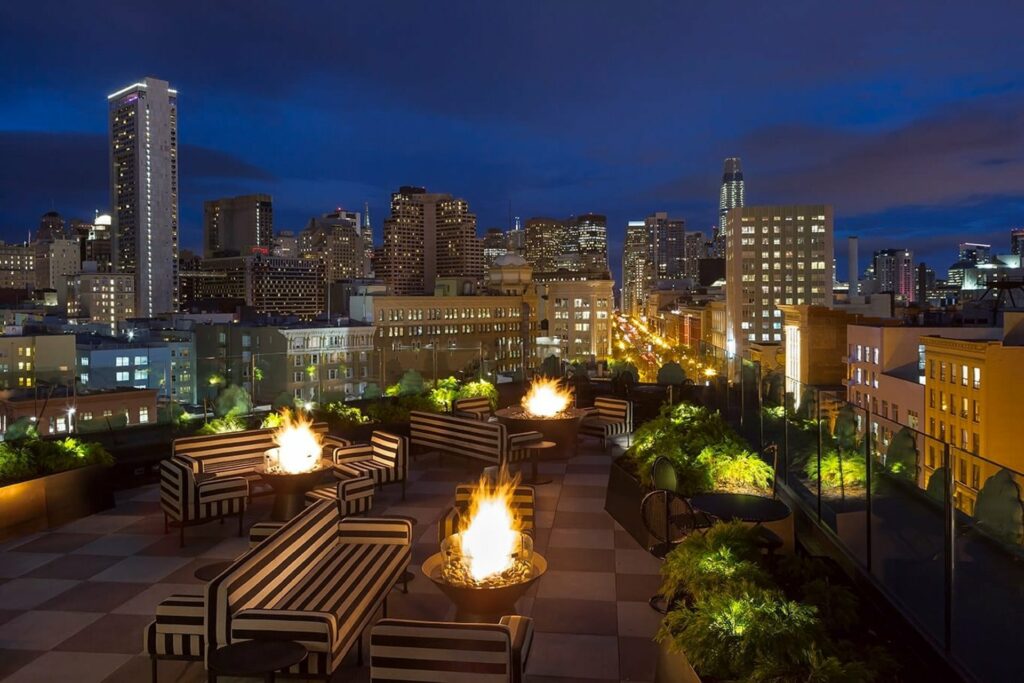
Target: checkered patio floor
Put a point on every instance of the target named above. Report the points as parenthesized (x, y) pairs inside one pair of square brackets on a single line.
[(74, 600)]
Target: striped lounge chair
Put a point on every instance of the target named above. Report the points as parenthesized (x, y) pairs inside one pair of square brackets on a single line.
[(355, 496), (609, 417), (238, 453), (178, 632), (469, 437), (477, 407), (385, 460), (523, 505), (319, 580), (439, 652), (188, 499)]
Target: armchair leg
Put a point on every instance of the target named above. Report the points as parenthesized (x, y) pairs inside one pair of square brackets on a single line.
[(153, 668)]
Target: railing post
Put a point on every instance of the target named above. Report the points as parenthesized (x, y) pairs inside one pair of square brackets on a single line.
[(868, 466), (817, 403), (948, 547)]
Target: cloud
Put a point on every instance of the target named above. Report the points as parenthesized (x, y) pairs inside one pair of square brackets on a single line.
[(68, 172)]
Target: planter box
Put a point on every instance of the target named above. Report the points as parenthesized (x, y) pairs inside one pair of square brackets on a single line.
[(55, 499), (622, 502), (673, 667)]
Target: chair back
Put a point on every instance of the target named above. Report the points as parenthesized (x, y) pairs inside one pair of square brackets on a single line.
[(438, 652), (668, 517), (664, 476)]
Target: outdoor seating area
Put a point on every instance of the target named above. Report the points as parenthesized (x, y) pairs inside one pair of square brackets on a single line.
[(111, 597)]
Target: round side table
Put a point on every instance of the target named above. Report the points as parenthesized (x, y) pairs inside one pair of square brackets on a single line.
[(209, 572), (255, 658), (535, 449)]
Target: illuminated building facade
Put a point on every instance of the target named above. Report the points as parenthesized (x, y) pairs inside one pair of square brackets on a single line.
[(144, 191), (238, 225)]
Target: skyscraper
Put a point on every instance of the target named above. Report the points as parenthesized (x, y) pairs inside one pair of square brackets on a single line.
[(774, 255), (592, 233), (1017, 241), (238, 224), (894, 272), (666, 243), (637, 269), (544, 240), (336, 239), (694, 249), (144, 191), (730, 196), (428, 236), (495, 244)]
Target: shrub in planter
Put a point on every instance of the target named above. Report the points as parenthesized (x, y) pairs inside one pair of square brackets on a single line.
[(443, 393), (343, 416), (742, 620), (233, 400), (477, 388), (740, 472), (232, 422), (999, 510), (30, 457), (838, 469)]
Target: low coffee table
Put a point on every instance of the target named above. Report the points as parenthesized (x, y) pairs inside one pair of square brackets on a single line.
[(209, 572), (535, 449), (255, 658)]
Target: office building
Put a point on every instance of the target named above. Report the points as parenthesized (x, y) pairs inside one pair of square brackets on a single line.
[(427, 236), (269, 284), (637, 270), (974, 252), (666, 244), (337, 240), (238, 225), (731, 195), (103, 298), (694, 249), (774, 255), (591, 232), (285, 244), (144, 191), (545, 240), (304, 361), (56, 259), (578, 315), (17, 266), (1017, 241), (100, 410), (495, 244), (94, 238), (27, 359), (894, 272)]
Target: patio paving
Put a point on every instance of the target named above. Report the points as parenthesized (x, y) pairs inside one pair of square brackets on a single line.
[(74, 600)]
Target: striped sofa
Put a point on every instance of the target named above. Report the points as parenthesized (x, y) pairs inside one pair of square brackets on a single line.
[(187, 498), (385, 459), (319, 580), (472, 438), (238, 453), (439, 652), (476, 407), (524, 503), (609, 417)]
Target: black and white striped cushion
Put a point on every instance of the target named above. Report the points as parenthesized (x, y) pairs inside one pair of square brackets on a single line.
[(436, 652), (178, 630), (477, 407)]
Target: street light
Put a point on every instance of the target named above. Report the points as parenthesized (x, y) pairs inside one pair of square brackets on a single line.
[(71, 419)]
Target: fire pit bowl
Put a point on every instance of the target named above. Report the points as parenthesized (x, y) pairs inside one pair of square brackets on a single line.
[(562, 428), (479, 603), (290, 489)]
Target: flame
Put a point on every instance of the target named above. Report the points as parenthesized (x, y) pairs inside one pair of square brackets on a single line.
[(298, 446), (491, 537), (546, 398)]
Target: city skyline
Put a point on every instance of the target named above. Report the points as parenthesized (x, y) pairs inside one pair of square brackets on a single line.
[(893, 115)]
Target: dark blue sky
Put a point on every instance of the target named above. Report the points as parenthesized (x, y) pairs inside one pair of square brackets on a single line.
[(908, 117)]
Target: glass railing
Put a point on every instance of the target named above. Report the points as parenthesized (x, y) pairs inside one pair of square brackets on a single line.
[(938, 528)]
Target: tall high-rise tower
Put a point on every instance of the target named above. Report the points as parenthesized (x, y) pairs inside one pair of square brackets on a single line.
[(894, 271), (666, 243), (144, 191), (637, 269), (730, 196)]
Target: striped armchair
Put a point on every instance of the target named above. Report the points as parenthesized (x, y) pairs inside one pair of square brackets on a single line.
[(609, 417), (384, 460), (178, 631), (438, 652), (355, 496), (524, 501), (477, 407), (319, 580), (188, 499)]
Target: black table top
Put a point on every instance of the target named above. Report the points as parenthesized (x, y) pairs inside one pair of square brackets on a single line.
[(209, 572), (742, 507), (256, 657)]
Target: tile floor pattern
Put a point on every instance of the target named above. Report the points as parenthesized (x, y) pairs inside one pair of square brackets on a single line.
[(74, 600)]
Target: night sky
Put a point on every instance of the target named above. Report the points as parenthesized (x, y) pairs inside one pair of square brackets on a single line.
[(908, 117)]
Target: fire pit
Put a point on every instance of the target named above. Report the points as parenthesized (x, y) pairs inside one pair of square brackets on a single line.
[(294, 466), (546, 408), (487, 565)]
